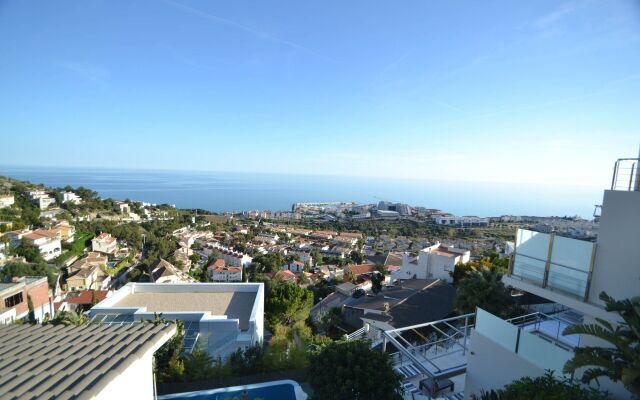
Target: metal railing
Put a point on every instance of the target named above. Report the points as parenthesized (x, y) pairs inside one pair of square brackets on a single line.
[(626, 175), (548, 327), (357, 334)]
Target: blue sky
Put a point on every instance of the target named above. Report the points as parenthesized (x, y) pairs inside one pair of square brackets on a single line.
[(536, 91)]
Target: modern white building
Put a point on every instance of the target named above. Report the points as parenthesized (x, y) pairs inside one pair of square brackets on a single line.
[(433, 262), (47, 241), (466, 221), (104, 243), (41, 198), (219, 317), (70, 197)]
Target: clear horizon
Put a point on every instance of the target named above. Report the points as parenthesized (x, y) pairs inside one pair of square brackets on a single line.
[(538, 93)]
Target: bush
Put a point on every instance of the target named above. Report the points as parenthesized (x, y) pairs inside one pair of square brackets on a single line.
[(545, 387)]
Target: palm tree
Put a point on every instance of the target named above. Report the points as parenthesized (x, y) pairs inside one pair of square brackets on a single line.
[(620, 361), (67, 318)]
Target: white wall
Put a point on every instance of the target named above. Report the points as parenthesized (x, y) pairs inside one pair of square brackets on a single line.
[(136, 382), (491, 366), (616, 268)]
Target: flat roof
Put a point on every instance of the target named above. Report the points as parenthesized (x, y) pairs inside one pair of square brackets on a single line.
[(71, 362), (233, 304)]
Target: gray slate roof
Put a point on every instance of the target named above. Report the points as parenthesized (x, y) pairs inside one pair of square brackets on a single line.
[(74, 362)]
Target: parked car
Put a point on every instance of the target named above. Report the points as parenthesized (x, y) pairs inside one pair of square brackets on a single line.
[(359, 293)]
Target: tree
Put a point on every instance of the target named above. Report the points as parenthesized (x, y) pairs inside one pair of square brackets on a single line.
[(287, 303), (32, 315), (356, 257), (484, 289), (29, 251), (351, 370), (620, 361), (69, 318), (317, 256), (376, 282), (545, 387)]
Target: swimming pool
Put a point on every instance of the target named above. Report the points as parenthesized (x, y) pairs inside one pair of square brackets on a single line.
[(275, 390)]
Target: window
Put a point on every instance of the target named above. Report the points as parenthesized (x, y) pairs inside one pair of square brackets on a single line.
[(13, 301)]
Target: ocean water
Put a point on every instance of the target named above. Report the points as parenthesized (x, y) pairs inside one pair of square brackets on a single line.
[(226, 191)]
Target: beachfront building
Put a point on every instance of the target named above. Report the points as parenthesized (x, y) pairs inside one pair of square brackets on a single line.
[(219, 317), (14, 297), (104, 243), (433, 262), (466, 221), (80, 362)]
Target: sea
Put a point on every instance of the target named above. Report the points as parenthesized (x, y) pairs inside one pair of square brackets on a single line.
[(236, 191)]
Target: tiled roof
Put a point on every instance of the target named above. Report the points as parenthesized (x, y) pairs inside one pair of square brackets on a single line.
[(73, 362)]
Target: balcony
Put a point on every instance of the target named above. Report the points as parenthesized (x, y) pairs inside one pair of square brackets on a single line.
[(626, 175), (536, 338), (553, 262)]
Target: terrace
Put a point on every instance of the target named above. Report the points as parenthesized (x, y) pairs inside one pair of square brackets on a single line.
[(438, 350)]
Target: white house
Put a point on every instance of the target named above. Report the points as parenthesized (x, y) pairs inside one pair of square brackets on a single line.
[(434, 262), (70, 197), (220, 317), (104, 243), (6, 200), (235, 259), (47, 241), (220, 272), (121, 207), (294, 266)]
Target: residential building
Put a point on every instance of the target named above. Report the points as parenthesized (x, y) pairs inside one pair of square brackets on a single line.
[(6, 200), (121, 207), (85, 299), (70, 197), (359, 269), (220, 317), (162, 271), (41, 199), (66, 231), (400, 208), (80, 362), (219, 272), (14, 297), (104, 243), (235, 259), (433, 262), (294, 266), (47, 241), (90, 277), (466, 221), (286, 276)]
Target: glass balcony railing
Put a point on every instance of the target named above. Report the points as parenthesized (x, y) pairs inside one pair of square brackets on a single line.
[(539, 349), (553, 262)]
